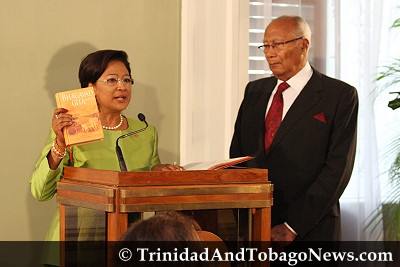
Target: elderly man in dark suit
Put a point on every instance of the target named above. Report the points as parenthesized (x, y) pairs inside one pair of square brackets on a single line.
[(306, 139)]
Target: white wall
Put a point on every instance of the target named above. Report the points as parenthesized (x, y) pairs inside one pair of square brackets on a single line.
[(214, 64)]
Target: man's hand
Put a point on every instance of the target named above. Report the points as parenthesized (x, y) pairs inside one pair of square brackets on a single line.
[(282, 234)]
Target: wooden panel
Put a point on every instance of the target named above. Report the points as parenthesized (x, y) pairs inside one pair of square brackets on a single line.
[(117, 223), (86, 188), (85, 196), (91, 175), (262, 225), (105, 177), (195, 177), (146, 207), (86, 204), (196, 199), (104, 202), (193, 197), (154, 191)]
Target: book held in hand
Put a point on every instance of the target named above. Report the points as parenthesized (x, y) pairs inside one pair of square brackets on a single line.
[(81, 103), (216, 165)]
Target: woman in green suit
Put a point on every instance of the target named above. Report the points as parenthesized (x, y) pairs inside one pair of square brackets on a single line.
[(109, 73)]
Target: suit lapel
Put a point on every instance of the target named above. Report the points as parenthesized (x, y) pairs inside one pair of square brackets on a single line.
[(260, 111), (257, 109), (263, 101), (308, 97)]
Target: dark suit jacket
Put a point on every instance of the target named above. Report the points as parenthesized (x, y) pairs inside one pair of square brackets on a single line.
[(310, 161)]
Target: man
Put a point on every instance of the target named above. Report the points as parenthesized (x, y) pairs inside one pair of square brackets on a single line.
[(310, 155)]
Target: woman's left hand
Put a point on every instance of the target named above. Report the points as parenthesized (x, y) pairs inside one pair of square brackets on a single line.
[(167, 167)]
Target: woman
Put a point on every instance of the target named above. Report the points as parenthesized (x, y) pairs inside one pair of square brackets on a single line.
[(109, 73)]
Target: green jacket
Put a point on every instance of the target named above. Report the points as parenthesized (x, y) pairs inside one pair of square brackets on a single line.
[(140, 154)]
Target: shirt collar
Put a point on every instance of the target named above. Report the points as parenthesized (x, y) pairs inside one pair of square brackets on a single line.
[(298, 81)]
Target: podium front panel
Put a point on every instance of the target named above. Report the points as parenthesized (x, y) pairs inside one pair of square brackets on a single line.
[(111, 196), (195, 197)]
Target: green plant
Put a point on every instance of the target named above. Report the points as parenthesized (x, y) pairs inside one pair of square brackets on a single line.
[(391, 74), (388, 213)]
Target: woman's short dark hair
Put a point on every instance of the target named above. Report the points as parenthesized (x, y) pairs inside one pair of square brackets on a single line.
[(169, 226), (168, 232), (94, 65)]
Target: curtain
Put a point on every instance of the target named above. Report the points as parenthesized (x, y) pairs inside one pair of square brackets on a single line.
[(366, 42)]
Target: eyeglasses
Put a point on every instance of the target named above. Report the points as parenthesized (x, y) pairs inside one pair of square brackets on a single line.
[(115, 81), (277, 46)]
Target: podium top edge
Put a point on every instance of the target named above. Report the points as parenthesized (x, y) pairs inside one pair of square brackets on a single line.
[(118, 178)]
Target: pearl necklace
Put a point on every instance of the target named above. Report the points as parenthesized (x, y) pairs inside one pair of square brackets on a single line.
[(114, 127)]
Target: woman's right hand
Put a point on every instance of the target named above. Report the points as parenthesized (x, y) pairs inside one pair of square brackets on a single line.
[(60, 120)]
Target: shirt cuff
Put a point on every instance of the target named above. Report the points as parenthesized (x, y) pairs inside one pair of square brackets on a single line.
[(290, 228)]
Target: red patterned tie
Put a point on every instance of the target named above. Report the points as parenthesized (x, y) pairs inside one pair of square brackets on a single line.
[(274, 116)]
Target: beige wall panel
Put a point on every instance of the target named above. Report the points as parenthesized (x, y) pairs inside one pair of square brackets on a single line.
[(42, 43)]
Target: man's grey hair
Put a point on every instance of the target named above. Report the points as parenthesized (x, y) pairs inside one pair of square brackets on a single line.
[(302, 28)]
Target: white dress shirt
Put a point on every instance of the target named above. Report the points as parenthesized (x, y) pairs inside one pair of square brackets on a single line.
[(296, 84)]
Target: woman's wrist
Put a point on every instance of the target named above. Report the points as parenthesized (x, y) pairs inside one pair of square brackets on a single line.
[(57, 150)]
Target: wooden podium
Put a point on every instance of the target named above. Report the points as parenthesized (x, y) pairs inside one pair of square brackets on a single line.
[(120, 193)]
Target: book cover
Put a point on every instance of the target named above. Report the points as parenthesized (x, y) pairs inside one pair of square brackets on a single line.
[(216, 165), (82, 104)]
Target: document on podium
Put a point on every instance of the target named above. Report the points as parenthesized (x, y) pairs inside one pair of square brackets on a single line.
[(217, 164)]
